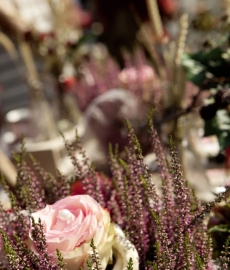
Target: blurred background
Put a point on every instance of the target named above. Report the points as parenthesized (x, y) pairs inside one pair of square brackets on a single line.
[(68, 65)]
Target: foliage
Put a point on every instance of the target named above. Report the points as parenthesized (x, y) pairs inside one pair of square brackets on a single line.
[(130, 264), (207, 63), (208, 69), (219, 126)]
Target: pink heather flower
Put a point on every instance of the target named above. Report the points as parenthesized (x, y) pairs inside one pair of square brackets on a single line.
[(142, 74), (1, 246), (70, 224)]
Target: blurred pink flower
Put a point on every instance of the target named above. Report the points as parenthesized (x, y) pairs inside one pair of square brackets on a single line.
[(142, 74)]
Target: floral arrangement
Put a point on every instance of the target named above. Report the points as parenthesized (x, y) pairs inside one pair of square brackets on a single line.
[(47, 229)]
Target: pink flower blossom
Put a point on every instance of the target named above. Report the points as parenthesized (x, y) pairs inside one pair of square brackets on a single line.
[(137, 75), (70, 224)]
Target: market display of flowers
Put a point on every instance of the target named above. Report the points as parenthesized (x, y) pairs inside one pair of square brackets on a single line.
[(119, 218), (120, 224)]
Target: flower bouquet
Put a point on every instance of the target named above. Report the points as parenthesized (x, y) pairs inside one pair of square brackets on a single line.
[(120, 224)]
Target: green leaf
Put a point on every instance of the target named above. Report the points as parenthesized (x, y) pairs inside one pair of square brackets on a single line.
[(130, 264), (194, 69), (220, 228), (219, 126), (204, 63), (210, 128)]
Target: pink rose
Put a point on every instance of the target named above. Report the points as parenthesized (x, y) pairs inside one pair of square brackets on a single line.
[(70, 224)]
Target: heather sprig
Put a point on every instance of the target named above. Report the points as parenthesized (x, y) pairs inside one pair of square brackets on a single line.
[(130, 201), (130, 264), (113, 207), (162, 245), (95, 182), (80, 162), (165, 172), (61, 264), (225, 254), (29, 260), (39, 240), (199, 263), (54, 188), (84, 171), (201, 212), (4, 218), (12, 257), (94, 263), (21, 221), (28, 190), (4, 184), (181, 191), (89, 264), (19, 158)]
